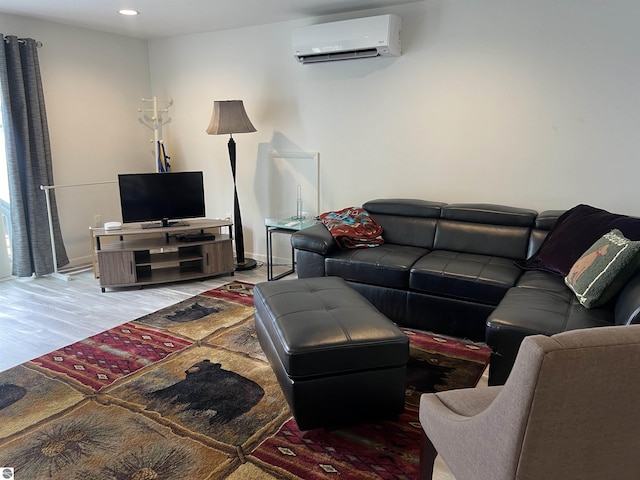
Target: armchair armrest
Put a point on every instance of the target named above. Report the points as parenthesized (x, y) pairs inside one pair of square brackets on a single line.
[(315, 239)]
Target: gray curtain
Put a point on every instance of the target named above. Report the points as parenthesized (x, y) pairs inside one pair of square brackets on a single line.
[(28, 159)]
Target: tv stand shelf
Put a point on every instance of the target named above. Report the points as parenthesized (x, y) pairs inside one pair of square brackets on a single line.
[(135, 255)]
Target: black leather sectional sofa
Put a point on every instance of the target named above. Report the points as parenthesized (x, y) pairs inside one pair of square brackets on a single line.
[(455, 269)]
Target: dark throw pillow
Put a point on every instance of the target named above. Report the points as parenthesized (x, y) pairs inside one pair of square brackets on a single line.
[(601, 272), (575, 231)]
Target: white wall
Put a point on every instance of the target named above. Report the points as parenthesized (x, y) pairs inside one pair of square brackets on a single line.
[(93, 83), (527, 103), (531, 103)]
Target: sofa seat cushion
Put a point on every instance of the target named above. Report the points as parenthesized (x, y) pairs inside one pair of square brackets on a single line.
[(534, 310), (543, 280), (387, 265), (477, 278)]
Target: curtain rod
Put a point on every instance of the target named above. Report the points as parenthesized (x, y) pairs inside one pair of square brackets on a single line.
[(23, 41)]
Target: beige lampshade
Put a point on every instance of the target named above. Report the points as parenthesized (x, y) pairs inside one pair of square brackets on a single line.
[(228, 117)]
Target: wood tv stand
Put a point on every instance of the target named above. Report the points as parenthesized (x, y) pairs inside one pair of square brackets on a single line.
[(141, 256)]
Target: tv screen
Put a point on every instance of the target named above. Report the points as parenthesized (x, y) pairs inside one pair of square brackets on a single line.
[(153, 197)]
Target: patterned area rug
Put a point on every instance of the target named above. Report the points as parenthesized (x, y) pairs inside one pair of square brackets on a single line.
[(186, 392), (382, 450)]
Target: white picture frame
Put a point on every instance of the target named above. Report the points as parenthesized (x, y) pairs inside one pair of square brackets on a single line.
[(294, 187)]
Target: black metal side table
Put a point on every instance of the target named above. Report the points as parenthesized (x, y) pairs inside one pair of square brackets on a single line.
[(285, 226)]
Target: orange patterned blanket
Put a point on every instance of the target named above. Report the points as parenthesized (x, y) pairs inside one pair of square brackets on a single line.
[(353, 227)]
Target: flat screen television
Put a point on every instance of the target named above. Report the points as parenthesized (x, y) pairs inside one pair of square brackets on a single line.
[(162, 199)]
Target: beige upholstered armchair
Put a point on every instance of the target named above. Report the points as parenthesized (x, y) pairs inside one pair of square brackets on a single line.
[(570, 409)]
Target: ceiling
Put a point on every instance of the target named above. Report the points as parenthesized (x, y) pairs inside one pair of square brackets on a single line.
[(167, 18)]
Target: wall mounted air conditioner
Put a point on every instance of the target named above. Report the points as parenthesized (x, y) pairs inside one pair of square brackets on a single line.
[(367, 37)]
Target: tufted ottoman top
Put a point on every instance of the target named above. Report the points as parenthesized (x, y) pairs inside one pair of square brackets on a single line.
[(321, 326)]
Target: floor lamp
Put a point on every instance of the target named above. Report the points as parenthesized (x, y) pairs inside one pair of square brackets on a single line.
[(229, 117)]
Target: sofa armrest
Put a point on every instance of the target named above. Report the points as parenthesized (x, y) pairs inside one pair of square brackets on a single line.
[(315, 239), (627, 309)]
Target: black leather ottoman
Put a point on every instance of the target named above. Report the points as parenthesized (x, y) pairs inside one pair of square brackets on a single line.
[(338, 360)]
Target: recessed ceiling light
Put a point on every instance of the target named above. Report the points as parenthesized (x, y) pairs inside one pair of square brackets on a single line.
[(129, 12)]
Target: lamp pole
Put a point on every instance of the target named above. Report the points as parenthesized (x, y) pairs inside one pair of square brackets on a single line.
[(241, 262)]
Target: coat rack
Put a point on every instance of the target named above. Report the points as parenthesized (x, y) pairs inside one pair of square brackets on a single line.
[(155, 123)]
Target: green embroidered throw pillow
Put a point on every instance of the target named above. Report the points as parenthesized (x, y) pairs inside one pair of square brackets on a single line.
[(603, 269)]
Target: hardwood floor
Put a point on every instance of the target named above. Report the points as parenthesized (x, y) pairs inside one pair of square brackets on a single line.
[(42, 314)]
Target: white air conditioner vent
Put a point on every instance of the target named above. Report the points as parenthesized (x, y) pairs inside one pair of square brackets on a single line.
[(367, 37)]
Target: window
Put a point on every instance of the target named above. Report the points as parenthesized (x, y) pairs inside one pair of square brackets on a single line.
[(5, 221)]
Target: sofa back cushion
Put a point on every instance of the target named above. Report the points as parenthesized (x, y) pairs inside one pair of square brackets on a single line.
[(544, 223), (485, 229), (406, 221)]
